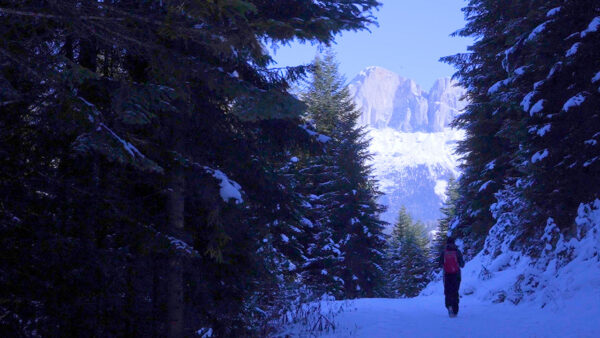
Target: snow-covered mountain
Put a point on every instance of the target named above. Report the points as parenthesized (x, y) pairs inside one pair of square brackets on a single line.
[(413, 146), (390, 100)]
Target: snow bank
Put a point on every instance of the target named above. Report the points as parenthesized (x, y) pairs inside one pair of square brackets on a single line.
[(566, 275), (557, 293)]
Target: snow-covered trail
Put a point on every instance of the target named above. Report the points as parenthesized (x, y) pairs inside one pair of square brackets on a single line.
[(426, 316)]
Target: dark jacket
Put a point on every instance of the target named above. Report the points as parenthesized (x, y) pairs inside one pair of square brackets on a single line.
[(451, 247)]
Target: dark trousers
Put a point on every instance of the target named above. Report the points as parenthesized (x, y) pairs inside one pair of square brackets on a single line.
[(451, 286)]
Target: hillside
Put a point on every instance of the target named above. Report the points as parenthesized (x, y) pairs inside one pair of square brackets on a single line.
[(412, 143)]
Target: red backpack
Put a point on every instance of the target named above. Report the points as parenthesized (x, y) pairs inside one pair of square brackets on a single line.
[(450, 261)]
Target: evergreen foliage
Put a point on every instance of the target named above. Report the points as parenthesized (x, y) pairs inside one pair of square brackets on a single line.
[(449, 212), (532, 123), (350, 228), (141, 153), (407, 264)]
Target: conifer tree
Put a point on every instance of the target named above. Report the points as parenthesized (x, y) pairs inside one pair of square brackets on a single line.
[(532, 81), (449, 213), (493, 73), (407, 265), (562, 143), (352, 222)]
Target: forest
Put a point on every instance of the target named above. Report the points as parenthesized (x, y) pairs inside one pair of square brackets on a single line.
[(159, 177)]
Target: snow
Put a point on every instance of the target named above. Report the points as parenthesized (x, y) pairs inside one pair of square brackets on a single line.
[(490, 165), (592, 27), (320, 137), (504, 293), (588, 163), (181, 245), (393, 149), (537, 30), (574, 101), (205, 333), (402, 159), (130, 148), (507, 53), (285, 238), (542, 131), (521, 70), (596, 78), (440, 189), (573, 49), (553, 11), (229, 188), (496, 86), (305, 221), (526, 102), (540, 155), (485, 185), (557, 66), (537, 107), (426, 316)]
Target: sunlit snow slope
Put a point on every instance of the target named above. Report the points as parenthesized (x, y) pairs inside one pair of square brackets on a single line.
[(413, 169), (413, 146)]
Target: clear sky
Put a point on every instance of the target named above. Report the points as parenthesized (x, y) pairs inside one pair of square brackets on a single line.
[(411, 37)]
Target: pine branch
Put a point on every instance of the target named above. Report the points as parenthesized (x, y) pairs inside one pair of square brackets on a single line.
[(52, 16)]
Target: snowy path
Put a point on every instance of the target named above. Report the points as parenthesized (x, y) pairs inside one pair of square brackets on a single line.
[(427, 317)]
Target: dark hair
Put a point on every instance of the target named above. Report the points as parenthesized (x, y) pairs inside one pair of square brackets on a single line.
[(450, 240)]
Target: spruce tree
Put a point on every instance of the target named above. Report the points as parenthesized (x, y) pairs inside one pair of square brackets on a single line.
[(492, 72), (449, 212), (351, 223), (532, 80), (562, 143), (407, 264)]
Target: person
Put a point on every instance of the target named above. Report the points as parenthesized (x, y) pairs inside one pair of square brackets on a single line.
[(451, 260)]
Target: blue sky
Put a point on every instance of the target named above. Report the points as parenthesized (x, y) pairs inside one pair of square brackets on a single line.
[(411, 37)]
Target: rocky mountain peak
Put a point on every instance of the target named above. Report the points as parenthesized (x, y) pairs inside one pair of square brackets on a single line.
[(387, 99)]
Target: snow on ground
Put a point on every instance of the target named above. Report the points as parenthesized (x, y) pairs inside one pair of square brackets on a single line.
[(503, 292), (425, 316)]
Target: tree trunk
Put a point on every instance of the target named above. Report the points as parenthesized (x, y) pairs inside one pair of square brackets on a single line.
[(175, 209)]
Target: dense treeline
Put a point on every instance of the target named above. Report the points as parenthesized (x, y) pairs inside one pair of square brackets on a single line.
[(156, 174), (532, 151)]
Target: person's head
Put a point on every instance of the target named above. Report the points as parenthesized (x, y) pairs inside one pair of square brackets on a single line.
[(450, 240)]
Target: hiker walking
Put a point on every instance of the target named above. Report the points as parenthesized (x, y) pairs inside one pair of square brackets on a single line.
[(451, 260)]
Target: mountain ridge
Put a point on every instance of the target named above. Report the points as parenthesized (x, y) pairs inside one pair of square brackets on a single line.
[(387, 99), (411, 141)]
